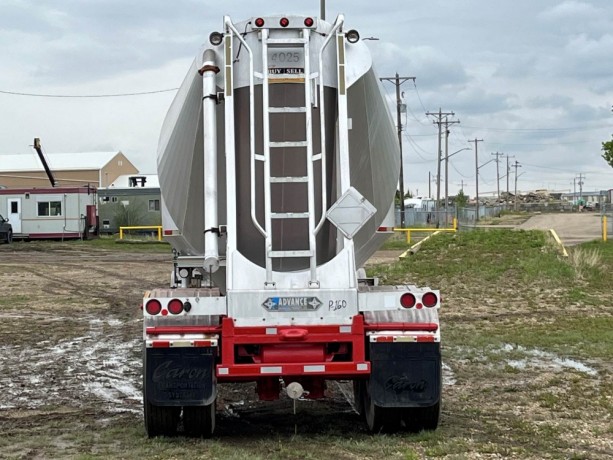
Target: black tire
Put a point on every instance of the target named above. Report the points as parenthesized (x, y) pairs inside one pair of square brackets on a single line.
[(418, 419), (161, 421), (358, 398), (9, 237), (199, 421), (378, 419)]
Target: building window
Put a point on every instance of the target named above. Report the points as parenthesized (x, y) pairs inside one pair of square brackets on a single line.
[(49, 208), (114, 199), (154, 205), (14, 207)]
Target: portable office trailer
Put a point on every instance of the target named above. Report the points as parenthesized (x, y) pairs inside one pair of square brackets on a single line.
[(129, 201), (62, 212)]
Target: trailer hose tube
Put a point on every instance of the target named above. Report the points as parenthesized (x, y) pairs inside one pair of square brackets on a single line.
[(209, 101)]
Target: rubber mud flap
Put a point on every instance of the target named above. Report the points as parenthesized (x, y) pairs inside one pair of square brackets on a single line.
[(405, 374), (180, 376)]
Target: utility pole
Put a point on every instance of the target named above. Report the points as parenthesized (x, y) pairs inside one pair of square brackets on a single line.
[(516, 165), (429, 182), (447, 123), (476, 141), (398, 81), (574, 191), (581, 177), (322, 10), (439, 121), (497, 154)]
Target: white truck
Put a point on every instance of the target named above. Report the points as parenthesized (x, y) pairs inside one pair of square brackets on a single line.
[(278, 164)]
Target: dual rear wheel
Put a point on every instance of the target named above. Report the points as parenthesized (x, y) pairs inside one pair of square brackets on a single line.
[(391, 419), (198, 421)]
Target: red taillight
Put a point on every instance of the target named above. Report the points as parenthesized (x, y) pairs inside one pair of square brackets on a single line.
[(153, 307), (308, 22), (407, 300), (259, 22), (175, 306), (429, 299), (284, 22)]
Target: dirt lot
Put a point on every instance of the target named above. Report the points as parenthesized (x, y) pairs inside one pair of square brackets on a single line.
[(70, 378)]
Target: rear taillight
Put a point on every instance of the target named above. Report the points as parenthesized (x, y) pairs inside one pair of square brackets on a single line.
[(407, 300), (175, 306), (153, 307), (284, 22), (308, 22), (259, 22), (429, 299)]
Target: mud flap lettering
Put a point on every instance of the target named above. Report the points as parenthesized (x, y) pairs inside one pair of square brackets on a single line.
[(405, 374), (180, 377)]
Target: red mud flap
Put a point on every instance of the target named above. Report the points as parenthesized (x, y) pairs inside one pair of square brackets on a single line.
[(405, 374), (180, 376)]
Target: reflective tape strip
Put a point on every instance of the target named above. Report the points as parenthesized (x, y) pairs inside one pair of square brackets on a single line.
[(271, 331), (319, 368), (223, 371), (403, 338), (180, 343), (271, 370), (362, 367), (344, 329)]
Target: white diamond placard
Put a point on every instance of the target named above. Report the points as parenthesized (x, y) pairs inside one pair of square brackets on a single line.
[(350, 212)]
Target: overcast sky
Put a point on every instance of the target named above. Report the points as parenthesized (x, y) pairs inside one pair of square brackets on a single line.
[(532, 78)]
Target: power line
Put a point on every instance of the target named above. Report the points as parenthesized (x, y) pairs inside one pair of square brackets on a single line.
[(142, 93), (419, 97), (553, 130)]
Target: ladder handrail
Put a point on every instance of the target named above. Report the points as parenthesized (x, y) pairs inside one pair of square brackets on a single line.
[(309, 157), (340, 19), (236, 33), (266, 144)]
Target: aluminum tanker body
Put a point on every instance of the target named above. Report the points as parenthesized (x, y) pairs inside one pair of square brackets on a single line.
[(291, 69), (278, 164)]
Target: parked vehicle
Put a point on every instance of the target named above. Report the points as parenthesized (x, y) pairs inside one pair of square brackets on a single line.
[(278, 163), (6, 230)]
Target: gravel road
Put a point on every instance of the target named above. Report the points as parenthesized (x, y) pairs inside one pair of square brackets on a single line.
[(571, 228)]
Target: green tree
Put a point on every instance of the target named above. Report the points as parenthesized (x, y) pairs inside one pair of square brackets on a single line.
[(461, 199), (129, 215), (607, 148)]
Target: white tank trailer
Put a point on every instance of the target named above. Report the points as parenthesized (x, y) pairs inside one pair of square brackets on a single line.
[(278, 164)]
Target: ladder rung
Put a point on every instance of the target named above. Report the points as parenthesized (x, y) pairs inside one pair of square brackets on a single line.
[(288, 144), (286, 109), (280, 180), (289, 215), (278, 254), (286, 41)]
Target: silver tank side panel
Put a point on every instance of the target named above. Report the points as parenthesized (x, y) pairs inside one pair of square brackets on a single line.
[(374, 157)]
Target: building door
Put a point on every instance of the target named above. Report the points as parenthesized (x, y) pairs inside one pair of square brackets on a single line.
[(14, 207)]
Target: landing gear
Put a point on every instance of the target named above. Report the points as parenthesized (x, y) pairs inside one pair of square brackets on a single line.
[(199, 421), (161, 421)]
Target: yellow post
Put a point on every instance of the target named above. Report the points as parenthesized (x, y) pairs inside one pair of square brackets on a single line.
[(408, 236), (455, 223), (121, 233), (604, 228), (159, 233)]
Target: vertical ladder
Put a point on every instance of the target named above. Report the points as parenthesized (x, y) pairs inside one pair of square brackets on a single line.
[(309, 214)]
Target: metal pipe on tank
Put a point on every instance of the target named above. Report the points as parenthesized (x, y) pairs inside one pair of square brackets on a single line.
[(209, 101)]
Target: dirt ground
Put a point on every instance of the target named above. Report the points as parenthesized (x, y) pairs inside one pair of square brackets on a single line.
[(70, 332)]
